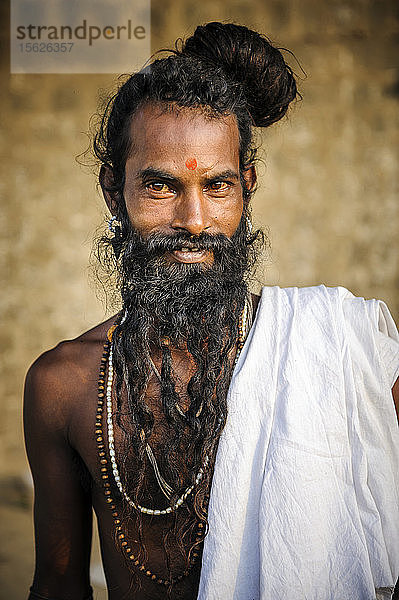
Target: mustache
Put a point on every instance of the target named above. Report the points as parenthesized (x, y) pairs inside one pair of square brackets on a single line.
[(158, 243)]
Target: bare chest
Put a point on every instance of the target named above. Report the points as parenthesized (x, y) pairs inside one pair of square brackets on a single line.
[(144, 554)]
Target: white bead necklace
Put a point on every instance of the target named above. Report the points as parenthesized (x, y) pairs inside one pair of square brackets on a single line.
[(115, 470), (244, 326)]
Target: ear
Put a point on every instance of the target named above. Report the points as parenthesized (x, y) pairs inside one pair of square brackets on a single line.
[(249, 175), (106, 180)]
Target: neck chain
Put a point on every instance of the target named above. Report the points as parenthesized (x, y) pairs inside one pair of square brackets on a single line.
[(177, 407), (126, 548), (166, 489)]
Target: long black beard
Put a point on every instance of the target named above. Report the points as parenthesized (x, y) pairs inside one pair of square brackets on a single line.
[(192, 306)]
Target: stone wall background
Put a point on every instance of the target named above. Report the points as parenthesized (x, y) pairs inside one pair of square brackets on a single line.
[(327, 191)]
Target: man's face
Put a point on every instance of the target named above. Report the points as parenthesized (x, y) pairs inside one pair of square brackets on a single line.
[(183, 176)]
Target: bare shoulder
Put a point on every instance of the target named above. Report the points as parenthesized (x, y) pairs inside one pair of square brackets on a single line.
[(60, 377)]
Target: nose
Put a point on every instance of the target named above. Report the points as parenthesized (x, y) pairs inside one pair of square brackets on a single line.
[(192, 213)]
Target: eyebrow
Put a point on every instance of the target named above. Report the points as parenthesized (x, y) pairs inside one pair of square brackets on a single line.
[(165, 175), (153, 172)]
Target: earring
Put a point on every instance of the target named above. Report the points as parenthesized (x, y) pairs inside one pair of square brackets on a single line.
[(111, 225), (249, 225), (115, 227)]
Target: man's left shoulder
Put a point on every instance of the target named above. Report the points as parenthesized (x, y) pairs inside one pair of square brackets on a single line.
[(331, 311), (312, 299), (322, 298)]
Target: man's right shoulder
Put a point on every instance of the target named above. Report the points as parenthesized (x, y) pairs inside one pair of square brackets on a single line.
[(60, 377)]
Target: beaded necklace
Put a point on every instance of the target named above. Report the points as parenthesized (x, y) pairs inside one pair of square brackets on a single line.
[(165, 487), (105, 477), (103, 395)]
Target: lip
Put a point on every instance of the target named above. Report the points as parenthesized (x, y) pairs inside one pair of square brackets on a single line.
[(191, 257)]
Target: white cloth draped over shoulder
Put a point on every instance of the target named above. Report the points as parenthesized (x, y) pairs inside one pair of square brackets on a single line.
[(305, 495)]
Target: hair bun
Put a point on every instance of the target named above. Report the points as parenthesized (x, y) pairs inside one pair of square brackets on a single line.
[(249, 59)]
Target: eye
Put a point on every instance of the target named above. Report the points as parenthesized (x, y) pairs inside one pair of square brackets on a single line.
[(159, 189), (219, 188)]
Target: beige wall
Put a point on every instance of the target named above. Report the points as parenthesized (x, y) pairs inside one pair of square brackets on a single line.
[(327, 186)]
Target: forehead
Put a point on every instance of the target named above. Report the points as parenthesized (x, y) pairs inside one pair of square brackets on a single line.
[(169, 138)]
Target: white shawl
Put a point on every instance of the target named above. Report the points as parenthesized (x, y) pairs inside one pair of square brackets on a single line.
[(305, 495)]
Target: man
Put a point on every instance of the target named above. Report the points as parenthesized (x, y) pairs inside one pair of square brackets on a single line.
[(282, 403)]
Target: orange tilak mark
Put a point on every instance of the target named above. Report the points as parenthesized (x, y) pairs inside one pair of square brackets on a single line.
[(191, 163)]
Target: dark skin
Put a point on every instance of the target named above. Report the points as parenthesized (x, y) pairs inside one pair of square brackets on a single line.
[(165, 193), (162, 194)]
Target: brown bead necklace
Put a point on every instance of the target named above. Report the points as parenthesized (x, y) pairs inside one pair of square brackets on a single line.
[(105, 478)]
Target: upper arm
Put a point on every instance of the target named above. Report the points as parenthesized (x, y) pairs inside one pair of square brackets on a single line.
[(62, 507)]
